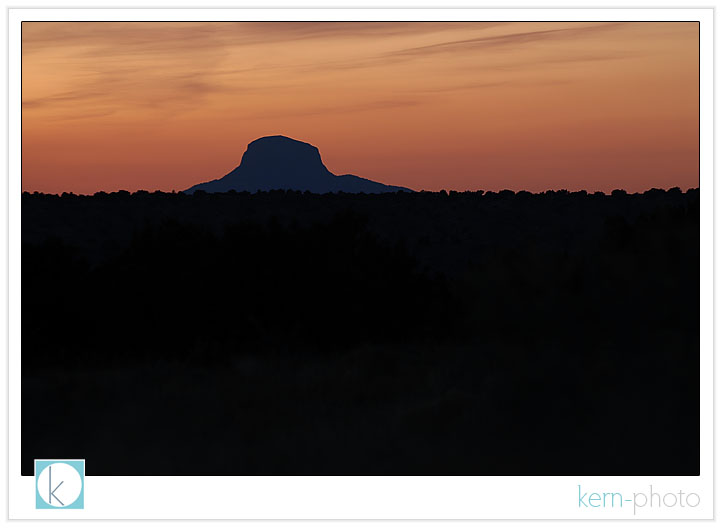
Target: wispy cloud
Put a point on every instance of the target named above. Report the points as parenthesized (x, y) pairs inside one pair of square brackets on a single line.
[(460, 48), (61, 98), (511, 39), (173, 68), (109, 38), (312, 110)]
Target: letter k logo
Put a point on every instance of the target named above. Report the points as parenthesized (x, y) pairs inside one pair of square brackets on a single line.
[(51, 491), (59, 484)]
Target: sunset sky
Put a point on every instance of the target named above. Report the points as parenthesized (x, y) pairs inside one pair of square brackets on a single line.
[(453, 105)]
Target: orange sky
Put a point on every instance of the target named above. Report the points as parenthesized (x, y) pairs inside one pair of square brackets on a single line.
[(453, 105)]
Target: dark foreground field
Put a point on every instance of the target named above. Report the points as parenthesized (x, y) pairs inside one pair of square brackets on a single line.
[(288, 333)]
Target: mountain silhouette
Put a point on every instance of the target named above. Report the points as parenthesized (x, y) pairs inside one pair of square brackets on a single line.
[(279, 162)]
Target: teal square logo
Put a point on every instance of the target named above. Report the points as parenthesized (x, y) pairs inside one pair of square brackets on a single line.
[(59, 484)]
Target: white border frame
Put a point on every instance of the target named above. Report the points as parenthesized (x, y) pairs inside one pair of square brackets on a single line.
[(363, 497)]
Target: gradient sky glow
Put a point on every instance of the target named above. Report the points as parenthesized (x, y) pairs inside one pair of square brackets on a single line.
[(452, 105)]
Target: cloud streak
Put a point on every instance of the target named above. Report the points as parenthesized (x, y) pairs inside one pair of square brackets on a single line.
[(170, 66), (511, 39)]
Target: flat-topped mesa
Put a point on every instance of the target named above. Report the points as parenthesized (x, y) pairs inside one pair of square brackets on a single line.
[(279, 162), (279, 154)]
